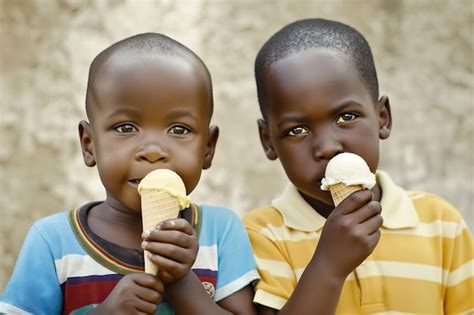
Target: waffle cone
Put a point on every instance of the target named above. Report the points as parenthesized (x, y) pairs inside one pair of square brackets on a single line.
[(340, 191), (157, 206)]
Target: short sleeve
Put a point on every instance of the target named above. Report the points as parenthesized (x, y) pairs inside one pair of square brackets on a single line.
[(236, 264), (277, 277), (33, 286), (459, 258)]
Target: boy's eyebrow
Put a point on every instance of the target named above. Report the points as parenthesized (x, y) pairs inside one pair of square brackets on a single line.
[(178, 112), (344, 105), (290, 118), (124, 111), (338, 108), (174, 113)]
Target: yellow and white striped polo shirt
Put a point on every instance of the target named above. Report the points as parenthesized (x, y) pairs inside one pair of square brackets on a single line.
[(423, 262)]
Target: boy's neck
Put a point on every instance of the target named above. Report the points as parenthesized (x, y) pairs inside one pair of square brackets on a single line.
[(118, 227), (325, 209)]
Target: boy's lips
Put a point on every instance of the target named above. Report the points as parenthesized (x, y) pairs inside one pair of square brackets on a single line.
[(319, 178), (134, 182)]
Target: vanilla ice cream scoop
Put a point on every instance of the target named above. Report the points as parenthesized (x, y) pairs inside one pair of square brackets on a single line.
[(346, 173), (165, 180), (163, 195)]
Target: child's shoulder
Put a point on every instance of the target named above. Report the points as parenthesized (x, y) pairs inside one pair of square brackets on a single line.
[(52, 234), (431, 207), (217, 219), (219, 225), (263, 216), (217, 212), (54, 221), (55, 229), (428, 207)]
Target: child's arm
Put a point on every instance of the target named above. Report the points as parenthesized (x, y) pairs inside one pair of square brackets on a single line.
[(174, 246), (458, 263), (136, 293), (33, 286), (349, 236), (201, 303)]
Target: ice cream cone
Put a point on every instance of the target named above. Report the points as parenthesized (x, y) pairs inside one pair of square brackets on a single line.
[(157, 206), (346, 173), (341, 191), (163, 195)]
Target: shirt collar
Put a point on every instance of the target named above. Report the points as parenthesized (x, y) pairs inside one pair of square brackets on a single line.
[(398, 211), (397, 208)]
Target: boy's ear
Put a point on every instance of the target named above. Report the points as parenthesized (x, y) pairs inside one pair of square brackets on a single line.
[(87, 147), (210, 146), (266, 140), (384, 115)]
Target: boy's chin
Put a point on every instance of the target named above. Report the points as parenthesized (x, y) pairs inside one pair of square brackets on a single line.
[(136, 208), (133, 207)]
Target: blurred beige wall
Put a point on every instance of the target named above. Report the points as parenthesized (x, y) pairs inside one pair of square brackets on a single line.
[(423, 51)]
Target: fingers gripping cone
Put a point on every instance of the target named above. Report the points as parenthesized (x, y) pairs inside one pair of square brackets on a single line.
[(346, 173), (341, 191), (163, 195), (157, 206)]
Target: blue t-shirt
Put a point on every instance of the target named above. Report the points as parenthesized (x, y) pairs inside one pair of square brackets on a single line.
[(62, 269)]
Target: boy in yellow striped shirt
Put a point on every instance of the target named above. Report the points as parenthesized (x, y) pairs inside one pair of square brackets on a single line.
[(318, 94)]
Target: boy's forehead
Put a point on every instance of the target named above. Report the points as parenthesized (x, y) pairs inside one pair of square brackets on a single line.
[(316, 74), (125, 72), (304, 64), (136, 63)]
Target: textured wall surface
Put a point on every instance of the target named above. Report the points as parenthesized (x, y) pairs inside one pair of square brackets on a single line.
[(423, 51)]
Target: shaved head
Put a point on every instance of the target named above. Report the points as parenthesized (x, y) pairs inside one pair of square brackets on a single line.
[(316, 33), (148, 44)]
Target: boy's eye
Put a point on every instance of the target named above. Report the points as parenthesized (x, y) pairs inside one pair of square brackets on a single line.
[(126, 128), (179, 130), (346, 117), (297, 131)]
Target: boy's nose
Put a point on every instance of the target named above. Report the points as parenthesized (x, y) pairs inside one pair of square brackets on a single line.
[(151, 153), (326, 148)]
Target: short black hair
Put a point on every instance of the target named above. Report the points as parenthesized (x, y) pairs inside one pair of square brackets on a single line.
[(154, 44), (316, 33)]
